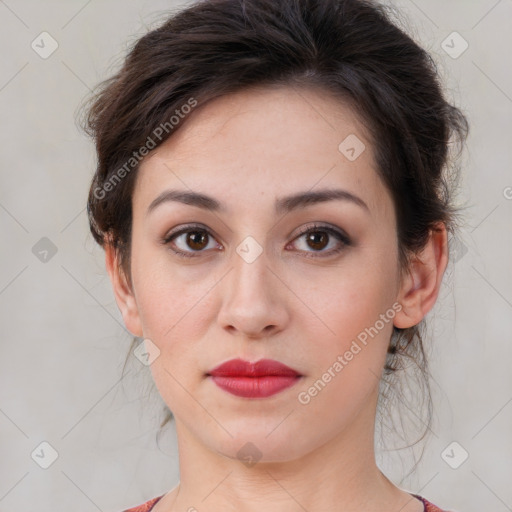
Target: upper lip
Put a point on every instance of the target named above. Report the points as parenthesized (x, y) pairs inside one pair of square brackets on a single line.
[(263, 367)]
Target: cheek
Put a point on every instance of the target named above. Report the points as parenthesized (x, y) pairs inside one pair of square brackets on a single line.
[(174, 304), (355, 305), (352, 296), (175, 316), (346, 363)]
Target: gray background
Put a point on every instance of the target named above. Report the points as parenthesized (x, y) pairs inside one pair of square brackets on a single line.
[(63, 341)]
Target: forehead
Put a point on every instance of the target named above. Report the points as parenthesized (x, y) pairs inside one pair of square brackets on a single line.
[(265, 142)]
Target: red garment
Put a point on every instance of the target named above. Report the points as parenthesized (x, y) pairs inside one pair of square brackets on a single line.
[(146, 507), (429, 507)]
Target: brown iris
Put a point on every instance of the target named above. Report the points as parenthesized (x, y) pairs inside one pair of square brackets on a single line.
[(316, 239), (197, 240)]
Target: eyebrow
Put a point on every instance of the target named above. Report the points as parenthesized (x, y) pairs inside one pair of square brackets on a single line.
[(282, 205)]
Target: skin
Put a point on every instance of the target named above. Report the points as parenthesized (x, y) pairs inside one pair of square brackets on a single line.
[(246, 150)]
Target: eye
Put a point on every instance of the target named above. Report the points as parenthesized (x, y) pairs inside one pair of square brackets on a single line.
[(189, 240), (318, 237)]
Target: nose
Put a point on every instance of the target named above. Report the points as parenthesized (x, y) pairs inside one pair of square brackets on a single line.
[(254, 299)]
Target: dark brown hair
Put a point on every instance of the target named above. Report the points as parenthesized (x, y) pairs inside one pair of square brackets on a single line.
[(349, 48)]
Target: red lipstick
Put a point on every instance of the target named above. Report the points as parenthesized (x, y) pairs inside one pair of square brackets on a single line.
[(261, 379)]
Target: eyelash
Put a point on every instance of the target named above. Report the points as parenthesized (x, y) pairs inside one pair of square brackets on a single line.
[(340, 236)]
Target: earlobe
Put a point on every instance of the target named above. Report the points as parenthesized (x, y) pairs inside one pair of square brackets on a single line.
[(420, 286), (123, 292)]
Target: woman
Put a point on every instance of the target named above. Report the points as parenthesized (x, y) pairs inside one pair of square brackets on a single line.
[(272, 200)]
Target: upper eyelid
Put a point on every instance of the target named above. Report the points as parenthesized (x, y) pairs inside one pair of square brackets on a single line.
[(319, 226), (185, 229)]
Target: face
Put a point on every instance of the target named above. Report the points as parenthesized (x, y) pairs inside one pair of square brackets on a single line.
[(303, 285)]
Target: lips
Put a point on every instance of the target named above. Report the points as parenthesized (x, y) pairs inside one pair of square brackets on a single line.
[(261, 379), (261, 368)]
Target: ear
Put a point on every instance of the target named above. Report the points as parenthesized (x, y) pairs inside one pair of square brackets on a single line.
[(420, 286), (123, 292)]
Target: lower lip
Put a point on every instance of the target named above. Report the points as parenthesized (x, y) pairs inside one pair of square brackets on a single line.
[(254, 387)]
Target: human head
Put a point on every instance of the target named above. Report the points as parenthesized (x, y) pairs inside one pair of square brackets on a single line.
[(348, 48)]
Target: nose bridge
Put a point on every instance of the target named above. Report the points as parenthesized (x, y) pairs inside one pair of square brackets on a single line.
[(250, 273), (250, 302)]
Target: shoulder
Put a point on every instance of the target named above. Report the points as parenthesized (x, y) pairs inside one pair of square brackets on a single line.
[(145, 507), (429, 507)]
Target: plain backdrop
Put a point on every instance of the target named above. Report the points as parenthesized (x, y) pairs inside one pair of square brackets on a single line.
[(63, 341)]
